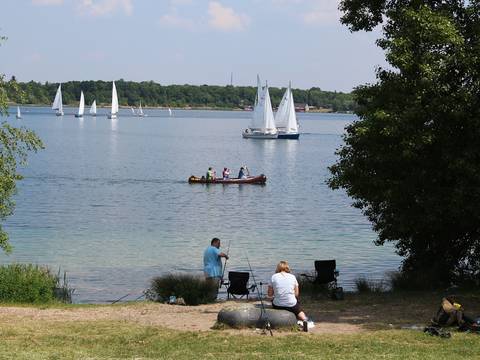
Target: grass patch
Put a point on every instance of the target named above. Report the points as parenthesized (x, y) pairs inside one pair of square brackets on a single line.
[(27, 283), (193, 289), (123, 340), (364, 285)]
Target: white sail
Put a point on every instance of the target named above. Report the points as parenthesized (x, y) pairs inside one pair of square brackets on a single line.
[(93, 108), (133, 110), (269, 120), (257, 118), (282, 111), (169, 112), (81, 106), (140, 110), (57, 102), (285, 118), (114, 110), (19, 115)]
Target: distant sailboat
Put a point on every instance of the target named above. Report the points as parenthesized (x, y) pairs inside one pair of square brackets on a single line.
[(285, 118), (170, 112), (19, 116), (133, 111), (263, 122), (81, 106), (93, 108), (57, 102), (114, 110), (140, 110)]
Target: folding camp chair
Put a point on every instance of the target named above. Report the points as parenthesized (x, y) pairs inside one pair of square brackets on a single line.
[(237, 284), (326, 274)]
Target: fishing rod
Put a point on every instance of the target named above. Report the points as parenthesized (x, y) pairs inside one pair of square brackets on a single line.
[(123, 297), (225, 265), (264, 311)]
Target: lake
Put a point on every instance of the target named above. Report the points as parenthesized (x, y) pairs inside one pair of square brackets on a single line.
[(108, 201)]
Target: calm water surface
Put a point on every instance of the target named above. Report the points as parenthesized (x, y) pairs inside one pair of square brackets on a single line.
[(109, 203)]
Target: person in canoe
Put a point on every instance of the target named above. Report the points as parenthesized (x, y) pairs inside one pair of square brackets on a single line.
[(242, 174), (211, 175), (226, 173)]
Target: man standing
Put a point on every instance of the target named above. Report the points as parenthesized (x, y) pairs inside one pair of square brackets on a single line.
[(212, 263)]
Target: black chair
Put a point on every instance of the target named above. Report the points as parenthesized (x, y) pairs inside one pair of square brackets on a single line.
[(326, 274), (238, 285)]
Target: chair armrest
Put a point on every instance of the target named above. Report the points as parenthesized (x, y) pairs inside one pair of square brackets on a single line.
[(251, 288), (226, 283), (308, 276)]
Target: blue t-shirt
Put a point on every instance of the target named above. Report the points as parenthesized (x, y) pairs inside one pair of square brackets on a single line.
[(212, 265)]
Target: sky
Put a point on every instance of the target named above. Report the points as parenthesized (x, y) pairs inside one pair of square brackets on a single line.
[(186, 42)]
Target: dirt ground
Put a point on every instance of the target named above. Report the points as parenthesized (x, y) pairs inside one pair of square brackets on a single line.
[(355, 314)]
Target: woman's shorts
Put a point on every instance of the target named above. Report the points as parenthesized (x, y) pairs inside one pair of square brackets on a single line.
[(296, 309)]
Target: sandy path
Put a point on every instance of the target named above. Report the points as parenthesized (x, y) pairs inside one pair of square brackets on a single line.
[(200, 318)]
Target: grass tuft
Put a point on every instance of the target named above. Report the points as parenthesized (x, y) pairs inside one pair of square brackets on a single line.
[(193, 289)]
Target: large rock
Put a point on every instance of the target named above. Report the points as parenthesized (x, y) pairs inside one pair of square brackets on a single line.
[(251, 315)]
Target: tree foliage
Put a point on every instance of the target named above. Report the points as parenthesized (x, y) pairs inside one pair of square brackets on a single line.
[(153, 94), (15, 143), (412, 161)]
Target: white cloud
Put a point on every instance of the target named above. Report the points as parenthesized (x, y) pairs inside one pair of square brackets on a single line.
[(105, 7), (225, 18), (323, 12), (176, 21), (47, 2)]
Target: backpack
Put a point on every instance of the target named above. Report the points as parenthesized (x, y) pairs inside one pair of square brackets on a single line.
[(450, 313)]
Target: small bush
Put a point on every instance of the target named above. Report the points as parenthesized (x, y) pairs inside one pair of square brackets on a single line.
[(27, 283), (193, 289), (364, 285), (408, 281)]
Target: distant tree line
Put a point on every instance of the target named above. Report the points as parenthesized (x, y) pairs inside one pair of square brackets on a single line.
[(153, 94)]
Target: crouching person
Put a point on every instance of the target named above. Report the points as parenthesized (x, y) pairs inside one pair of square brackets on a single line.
[(284, 292)]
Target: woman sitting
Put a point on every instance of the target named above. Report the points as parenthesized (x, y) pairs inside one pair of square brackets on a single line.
[(284, 291)]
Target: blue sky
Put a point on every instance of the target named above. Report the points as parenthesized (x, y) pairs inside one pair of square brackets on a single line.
[(186, 41)]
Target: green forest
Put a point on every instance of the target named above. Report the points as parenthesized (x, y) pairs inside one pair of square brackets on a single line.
[(154, 94)]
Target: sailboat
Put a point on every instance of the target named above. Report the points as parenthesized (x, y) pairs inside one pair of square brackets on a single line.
[(263, 122), (114, 110), (170, 112), (93, 108), (19, 116), (285, 118), (133, 111), (140, 110), (57, 102), (81, 106)]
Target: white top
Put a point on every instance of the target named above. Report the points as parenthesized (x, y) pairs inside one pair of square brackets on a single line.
[(283, 285)]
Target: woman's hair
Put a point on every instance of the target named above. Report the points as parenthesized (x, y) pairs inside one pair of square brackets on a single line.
[(283, 266)]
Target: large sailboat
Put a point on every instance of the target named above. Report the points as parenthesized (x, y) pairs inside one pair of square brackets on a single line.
[(285, 118), (93, 108), (114, 110), (81, 106), (57, 102), (19, 115), (263, 122)]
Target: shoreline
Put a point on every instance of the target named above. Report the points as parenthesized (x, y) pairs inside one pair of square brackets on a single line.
[(208, 108)]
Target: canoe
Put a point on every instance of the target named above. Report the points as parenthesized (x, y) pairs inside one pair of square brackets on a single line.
[(261, 179), (249, 315)]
